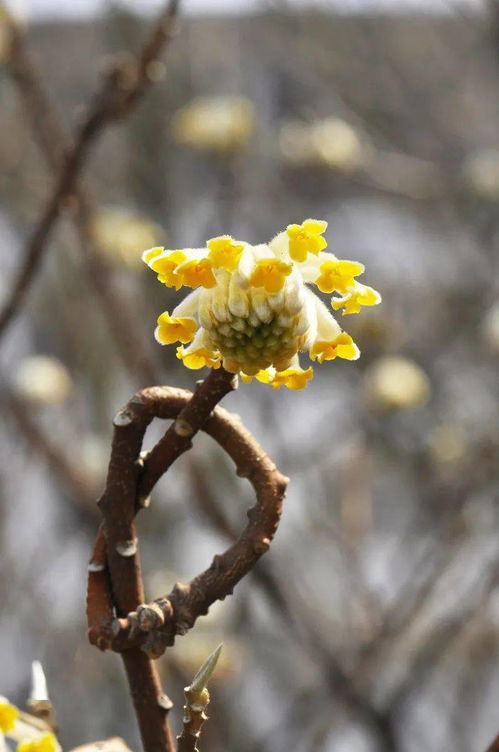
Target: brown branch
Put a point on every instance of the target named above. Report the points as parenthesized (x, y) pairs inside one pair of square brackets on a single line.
[(53, 144), (337, 680), (121, 88), (115, 583), (177, 613), (118, 506), (494, 747)]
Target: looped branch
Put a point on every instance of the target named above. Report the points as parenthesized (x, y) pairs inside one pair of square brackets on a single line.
[(117, 616)]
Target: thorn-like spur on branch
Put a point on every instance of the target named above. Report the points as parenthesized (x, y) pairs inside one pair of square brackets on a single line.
[(120, 90), (197, 698), (39, 703)]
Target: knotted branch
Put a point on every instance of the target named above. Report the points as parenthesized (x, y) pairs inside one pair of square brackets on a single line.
[(117, 615)]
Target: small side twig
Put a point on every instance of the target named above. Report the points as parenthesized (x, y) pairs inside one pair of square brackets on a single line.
[(39, 704), (197, 699)]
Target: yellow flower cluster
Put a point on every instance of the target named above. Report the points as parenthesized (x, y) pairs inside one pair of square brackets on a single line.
[(8, 716), (29, 738), (251, 311), (45, 743)]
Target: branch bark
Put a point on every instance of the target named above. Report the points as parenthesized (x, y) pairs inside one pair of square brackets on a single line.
[(140, 631), (494, 747)]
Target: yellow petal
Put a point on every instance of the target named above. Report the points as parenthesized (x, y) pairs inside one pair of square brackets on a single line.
[(199, 358), (315, 226), (354, 299), (197, 273), (166, 267), (8, 716), (306, 238), (171, 330), (369, 296), (292, 378), (224, 253), (270, 274), (338, 275), (151, 254), (264, 376), (45, 743), (341, 346)]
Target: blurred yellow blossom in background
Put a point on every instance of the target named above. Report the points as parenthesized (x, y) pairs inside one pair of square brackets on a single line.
[(447, 443), (215, 124), (490, 328), (481, 173), (394, 381), (121, 234), (330, 142), (42, 380)]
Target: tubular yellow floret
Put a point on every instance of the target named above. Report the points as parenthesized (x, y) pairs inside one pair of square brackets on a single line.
[(225, 252), (172, 329), (197, 273), (270, 274), (338, 275), (199, 358), (165, 264), (356, 297), (306, 238), (341, 346)]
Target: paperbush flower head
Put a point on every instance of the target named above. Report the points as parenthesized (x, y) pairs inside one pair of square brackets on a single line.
[(251, 309)]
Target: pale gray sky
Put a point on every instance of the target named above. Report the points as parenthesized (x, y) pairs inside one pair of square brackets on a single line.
[(89, 8)]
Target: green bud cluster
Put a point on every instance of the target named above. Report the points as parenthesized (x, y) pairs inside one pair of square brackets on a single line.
[(253, 345)]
